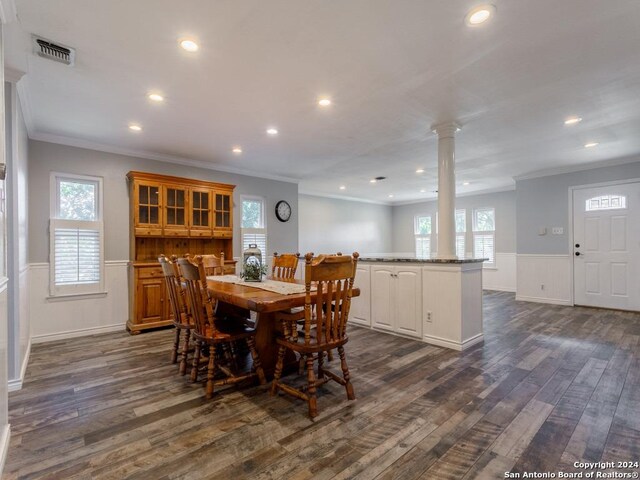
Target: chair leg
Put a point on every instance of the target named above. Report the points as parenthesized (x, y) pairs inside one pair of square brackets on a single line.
[(176, 345), (211, 371), (320, 365), (311, 392), (278, 372), (185, 352), (345, 374), (256, 360), (329, 355), (196, 361)]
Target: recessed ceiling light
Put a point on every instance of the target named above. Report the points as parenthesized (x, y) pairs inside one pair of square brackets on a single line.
[(572, 120), (373, 180), (237, 150), (342, 187), (272, 131), (591, 144), (465, 183), (422, 191), (420, 170), (324, 102), (479, 15), (189, 45), (391, 195), (155, 97), (135, 127)]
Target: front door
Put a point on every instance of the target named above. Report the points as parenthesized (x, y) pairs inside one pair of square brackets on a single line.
[(606, 250)]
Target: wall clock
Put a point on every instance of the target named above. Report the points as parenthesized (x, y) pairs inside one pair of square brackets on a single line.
[(283, 211)]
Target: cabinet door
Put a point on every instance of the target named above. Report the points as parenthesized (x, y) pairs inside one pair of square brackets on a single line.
[(147, 209), (150, 300), (382, 310), (223, 213), (175, 216), (408, 301), (201, 216), (360, 312)]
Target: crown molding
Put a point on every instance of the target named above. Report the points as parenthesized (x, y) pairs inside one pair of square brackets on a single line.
[(8, 11), (90, 145), (549, 172), (312, 193), (486, 191)]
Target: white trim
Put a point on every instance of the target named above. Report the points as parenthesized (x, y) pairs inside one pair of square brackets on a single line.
[(549, 172), (4, 281), (8, 14), (500, 289), (27, 111), (486, 191), (36, 265), (16, 383), (4, 445), (75, 296), (117, 263), (542, 255), (12, 75), (75, 142), (459, 346), (311, 193), (553, 301), (52, 337)]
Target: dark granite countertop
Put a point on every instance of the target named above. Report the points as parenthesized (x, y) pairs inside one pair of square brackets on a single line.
[(421, 260)]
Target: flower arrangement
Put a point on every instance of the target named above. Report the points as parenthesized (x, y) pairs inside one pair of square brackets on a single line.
[(253, 272)]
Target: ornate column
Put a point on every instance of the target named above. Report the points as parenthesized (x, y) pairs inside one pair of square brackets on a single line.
[(446, 189)]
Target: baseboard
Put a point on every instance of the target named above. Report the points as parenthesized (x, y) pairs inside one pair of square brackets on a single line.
[(52, 337), (459, 346), (16, 383), (4, 445), (553, 301), (500, 289)]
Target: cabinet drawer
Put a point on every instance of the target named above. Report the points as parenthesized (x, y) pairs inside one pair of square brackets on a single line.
[(222, 234), (148, 232), (149, 272), (200, 233), (170, 232)]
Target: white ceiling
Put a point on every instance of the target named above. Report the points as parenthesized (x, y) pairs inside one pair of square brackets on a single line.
[(391, 68)]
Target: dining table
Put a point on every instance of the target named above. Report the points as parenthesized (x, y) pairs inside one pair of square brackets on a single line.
[(233, 296)]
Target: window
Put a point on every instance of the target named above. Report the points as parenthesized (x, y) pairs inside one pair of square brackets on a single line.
[(253, 226), (76, 235), (484, 229), (461, 229), (422, 231), (606, 202)]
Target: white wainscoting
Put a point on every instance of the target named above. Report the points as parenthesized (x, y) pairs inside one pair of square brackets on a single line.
[(25, 329), (502, 277), (5, 436), (544, 279), (57, 319)]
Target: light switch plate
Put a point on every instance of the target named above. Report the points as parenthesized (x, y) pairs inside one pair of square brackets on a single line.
[(542, 231)]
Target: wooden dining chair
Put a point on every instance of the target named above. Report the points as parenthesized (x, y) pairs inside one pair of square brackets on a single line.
[(333, 277), (284, 265), (182, 320), (213, 265), (213, 332)]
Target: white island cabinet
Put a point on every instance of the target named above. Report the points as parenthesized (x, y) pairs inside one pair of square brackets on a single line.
[(438, 301)]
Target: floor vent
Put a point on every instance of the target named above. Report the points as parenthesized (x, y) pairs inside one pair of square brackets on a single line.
[(53, 51)]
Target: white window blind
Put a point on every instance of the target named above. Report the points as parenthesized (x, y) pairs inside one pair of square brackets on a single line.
[(484, 246), (460, 245), (76, 254), (422, 232), (257, 236), (76, 235), (423, 247)]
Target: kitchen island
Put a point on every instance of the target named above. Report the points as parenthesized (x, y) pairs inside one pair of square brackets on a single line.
[(435, 300)]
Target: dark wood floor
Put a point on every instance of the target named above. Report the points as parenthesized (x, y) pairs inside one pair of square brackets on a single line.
[(550, 386)]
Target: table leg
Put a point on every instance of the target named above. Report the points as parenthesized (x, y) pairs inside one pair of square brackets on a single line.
[(267, 330)]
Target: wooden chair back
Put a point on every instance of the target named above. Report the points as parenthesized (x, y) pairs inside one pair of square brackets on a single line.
[(285, 265), (213, 265), (332, 275), (174, 288), (200, 305)]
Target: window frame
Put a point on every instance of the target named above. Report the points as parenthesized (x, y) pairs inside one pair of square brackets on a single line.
[(254, 231), (75, 289), (428, 236), (475, 231)]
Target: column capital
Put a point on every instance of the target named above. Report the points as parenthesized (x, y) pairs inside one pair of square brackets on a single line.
[(446, 129)]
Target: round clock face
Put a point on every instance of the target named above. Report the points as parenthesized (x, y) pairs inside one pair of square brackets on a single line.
[(283, 211)]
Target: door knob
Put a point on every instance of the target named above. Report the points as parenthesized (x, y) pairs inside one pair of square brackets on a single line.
[(577, 254), (577, 245)]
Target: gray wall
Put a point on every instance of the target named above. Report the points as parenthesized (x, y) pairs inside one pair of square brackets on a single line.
[(503, 202), (544, 202), (48, 157), (330, 225)]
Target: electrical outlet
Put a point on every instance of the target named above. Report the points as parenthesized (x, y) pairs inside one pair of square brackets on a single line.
[(557, 231), (429, 317)]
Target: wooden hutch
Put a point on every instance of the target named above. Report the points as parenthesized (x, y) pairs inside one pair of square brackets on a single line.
[(172, 216)]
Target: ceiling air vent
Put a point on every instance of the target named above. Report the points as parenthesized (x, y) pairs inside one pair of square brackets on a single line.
[(53, 51)]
